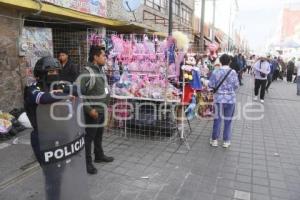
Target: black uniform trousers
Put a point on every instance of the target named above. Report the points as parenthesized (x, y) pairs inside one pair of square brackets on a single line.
[(94, 135)]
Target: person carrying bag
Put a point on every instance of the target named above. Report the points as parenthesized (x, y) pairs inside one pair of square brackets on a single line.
[(224, 83), (261, 70)]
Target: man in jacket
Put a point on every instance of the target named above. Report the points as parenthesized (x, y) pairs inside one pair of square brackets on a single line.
[(261, 70), (95, 92), (290, 70), (69, 71), (274, 66)]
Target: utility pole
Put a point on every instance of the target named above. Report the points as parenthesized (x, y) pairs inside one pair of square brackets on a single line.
[(233, 9), (214, 21), (170, 17), (202, 24), (229, 29)]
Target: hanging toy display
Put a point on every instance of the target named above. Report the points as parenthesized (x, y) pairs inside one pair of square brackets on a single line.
[(190, 111), (182, 41), (212, 51), (170, 51), (96, 39), (188, 67), (191, 72), (145, 67)]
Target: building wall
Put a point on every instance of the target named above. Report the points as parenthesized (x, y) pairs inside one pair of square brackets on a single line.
[(290, 21), (115, 10), (189, 3), (11, 71)]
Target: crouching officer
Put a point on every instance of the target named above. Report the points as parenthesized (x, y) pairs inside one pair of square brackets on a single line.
[(57, 140)]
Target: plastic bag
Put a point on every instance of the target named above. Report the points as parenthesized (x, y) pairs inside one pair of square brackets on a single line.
[(23, 119)]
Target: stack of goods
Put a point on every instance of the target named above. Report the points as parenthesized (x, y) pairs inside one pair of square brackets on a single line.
[(5, 124), (145, 86), (205, 101), (142, 68), (9, 124)]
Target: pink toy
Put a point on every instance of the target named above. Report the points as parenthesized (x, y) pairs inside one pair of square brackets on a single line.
[(171, 41), (95, 39), (178, 61), (172, 70), (213, 51)]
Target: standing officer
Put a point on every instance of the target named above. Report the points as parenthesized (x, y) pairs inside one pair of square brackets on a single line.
[(94, 88), (57, 144)]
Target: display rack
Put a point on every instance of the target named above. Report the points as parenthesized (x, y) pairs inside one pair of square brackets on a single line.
[(179, 134)]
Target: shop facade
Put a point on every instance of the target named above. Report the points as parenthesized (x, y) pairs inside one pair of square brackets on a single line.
[(30, 31)]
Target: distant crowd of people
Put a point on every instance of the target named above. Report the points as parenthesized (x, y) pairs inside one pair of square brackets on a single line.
[(265, 71)]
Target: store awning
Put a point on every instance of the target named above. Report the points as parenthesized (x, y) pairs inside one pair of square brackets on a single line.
[(60, 11), (130, 27), (161, 34)]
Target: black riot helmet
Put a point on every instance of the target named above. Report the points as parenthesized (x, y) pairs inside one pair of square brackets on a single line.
[(43, 69)]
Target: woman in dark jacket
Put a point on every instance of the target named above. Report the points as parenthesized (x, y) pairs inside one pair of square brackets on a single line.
[(290, 70)]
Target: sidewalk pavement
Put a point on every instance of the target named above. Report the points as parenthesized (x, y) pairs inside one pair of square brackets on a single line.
[(263, 162)]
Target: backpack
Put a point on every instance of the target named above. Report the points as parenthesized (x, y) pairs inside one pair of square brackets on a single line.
[(92, 81)]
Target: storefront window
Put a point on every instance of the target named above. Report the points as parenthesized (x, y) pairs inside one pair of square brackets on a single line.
[(186, 14), (176, 7), (159, 5)]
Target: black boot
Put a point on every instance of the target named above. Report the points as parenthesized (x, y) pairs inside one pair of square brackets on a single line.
[(91, 169), (88, 154), (103, 158)]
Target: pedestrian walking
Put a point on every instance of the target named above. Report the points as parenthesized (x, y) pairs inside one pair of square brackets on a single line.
[(93, 84), (233, 64), (250, 63), (224, 81), (274, 69), (236, 65), (261, 70), (241, 63), (290, 70), (282, 68)]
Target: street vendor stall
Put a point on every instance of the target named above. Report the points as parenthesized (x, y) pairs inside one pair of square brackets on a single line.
[(145, 84)]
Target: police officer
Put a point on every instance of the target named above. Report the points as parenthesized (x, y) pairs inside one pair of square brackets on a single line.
[(93, 83), (46, 72)]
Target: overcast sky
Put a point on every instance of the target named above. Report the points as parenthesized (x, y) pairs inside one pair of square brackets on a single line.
[(257, 20)]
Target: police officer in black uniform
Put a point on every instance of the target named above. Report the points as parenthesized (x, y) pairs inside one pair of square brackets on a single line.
[(46, 72)]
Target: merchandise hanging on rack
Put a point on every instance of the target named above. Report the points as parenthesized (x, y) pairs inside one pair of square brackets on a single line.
[(144, 79), (196, 74), (140, 68)]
